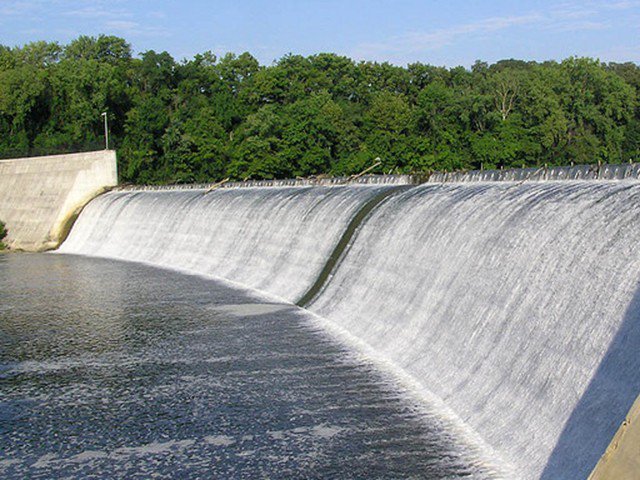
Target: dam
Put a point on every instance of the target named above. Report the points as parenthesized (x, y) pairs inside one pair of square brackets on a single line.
[(41, 196), (511, 307)]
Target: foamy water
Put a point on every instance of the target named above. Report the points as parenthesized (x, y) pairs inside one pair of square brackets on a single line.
[(270, 239), (114, 369), (513, 304)]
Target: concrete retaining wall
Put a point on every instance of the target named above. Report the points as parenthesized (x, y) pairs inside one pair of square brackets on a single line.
[(622, 458), (40, 196)]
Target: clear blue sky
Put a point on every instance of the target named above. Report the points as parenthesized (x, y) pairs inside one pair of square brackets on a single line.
[(449, 33)]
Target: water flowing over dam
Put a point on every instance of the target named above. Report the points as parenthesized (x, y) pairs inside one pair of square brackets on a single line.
[(525, 296), (514, 303), (271, 239)]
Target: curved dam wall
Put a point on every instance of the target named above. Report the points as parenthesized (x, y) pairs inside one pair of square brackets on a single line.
[(275, 240), (39, 196), (515, 303)]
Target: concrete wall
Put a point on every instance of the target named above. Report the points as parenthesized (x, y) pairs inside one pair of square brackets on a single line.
[(39, 196), (622, 458)]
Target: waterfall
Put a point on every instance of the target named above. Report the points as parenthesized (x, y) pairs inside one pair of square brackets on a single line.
[(275, 240), (514, 303)]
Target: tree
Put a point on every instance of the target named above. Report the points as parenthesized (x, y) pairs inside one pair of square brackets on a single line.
[(3, 235), (209, 117), (505, 87), (104, 48), (24, 105), (316, 132), (257, 145)]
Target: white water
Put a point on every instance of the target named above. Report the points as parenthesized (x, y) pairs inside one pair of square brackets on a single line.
[(275, 240), (515, 304), (576, 172)]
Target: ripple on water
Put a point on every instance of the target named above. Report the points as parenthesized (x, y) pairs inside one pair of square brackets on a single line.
[(99, 376)]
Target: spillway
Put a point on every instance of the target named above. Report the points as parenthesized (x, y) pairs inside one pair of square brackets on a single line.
[(275, 240), (514, 303)]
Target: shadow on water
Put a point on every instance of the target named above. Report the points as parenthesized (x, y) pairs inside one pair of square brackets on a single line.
[(604, 405)]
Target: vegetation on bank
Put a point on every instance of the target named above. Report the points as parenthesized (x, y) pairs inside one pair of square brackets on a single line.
[(209, 118), (3, 234)]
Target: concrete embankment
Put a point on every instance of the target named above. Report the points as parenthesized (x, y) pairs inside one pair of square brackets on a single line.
[(40, 196), (622, 458)]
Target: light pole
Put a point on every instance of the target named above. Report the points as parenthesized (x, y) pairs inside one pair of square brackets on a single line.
[(106, 131)]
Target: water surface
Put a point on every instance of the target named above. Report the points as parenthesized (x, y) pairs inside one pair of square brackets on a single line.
[(128, 371)]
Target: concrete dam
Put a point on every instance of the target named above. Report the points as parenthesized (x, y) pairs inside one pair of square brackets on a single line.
[(41, 196), (514, 305)]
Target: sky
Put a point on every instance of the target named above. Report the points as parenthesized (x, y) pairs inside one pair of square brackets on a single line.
[(446, 33)]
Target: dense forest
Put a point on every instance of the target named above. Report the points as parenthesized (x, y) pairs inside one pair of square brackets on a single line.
[(208, 118)]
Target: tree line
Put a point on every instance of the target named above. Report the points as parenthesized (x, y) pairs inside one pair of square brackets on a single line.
[(208, 118)]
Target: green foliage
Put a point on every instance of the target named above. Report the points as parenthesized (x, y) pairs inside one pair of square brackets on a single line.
[(3, 234), (209, 118)]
